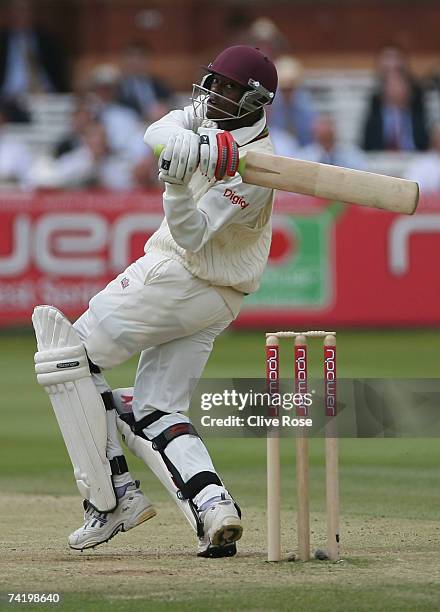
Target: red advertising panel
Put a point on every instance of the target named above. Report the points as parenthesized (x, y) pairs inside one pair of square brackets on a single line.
[(330, 264)]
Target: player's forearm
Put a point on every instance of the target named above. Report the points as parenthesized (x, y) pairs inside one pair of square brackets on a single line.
[(187, 224), (160, 131)]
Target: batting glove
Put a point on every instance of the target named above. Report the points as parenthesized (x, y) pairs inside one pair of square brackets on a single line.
[(218, 153), (179, 159)]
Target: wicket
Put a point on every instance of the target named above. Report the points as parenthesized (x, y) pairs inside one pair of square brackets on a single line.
[(302, 446)]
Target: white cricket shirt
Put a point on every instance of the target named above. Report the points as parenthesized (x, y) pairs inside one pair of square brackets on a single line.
[(219, 231)]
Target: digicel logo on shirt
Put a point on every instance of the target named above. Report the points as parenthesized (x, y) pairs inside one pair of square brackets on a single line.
[(235, 198)]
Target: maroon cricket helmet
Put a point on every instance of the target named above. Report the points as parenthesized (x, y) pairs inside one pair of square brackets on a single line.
[(244, 65)]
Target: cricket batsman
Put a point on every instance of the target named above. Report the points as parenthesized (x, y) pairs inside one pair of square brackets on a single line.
[(169, 306)]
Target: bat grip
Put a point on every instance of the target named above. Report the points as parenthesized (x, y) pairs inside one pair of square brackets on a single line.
[(157, 150)]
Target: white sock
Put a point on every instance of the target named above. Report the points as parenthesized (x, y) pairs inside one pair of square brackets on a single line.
[(120, 480), (114, 448)]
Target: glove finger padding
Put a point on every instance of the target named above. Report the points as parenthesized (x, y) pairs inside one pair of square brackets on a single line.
[(193, 157), (175, 157), (182, 157), (166, 155), (179, 159), (208, 151)]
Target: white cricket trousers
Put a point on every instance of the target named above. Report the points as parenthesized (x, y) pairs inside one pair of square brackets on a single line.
[(158, 308)]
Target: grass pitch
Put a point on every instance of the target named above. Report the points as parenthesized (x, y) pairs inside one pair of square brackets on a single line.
[(389, 504)]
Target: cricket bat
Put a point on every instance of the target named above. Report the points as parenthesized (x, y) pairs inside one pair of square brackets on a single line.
[(329, 182)]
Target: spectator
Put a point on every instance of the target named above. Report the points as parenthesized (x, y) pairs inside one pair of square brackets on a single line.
[(264, 34), (81, 118), (393, 59), (15, 157), (292, 108), (284, 143), (144, 166), (432, 85), (396, 116), (16, 110), (425, 169), (121, 123), (30, 58), (147, 95), (327, 150), (92, 165)]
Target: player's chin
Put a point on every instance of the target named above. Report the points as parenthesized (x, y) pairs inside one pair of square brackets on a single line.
[(213, 113), (216, 113)]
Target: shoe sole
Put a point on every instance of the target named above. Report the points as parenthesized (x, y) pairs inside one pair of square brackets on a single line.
[(147, 514), (218, 552), (227, 534)]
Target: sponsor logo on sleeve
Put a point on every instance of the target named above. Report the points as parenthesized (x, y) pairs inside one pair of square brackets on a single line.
[(236, 198)]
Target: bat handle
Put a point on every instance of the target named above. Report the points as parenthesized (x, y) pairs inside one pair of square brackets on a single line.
[(157, 150)]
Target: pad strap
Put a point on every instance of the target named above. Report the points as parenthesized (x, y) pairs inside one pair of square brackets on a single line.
[(198, 522), (161, 441), (188, 490), (94, 369), (118, 465), (128, 418), (109, 402), (146, 421)]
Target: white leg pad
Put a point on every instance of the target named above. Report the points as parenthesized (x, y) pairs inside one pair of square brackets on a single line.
[(62, 369), (143, 449)]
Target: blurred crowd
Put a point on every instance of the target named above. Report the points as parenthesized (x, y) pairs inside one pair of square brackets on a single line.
[(103, 147)]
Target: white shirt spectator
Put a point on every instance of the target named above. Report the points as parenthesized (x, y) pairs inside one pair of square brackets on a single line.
[(92, 164), (122, 127), (79, 169), (326, 148), (121, 123), (284, 143), (339, 155), (425, 170)]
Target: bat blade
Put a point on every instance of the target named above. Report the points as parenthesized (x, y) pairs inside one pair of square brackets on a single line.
[(330, 182)]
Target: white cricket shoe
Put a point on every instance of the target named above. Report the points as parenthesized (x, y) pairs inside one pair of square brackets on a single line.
[(133, 509), (222, 528)]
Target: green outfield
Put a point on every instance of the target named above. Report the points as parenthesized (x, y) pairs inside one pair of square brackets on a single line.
[(390, 503)]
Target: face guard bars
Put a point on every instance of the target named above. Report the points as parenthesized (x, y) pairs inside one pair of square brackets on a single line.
[(253, 99)]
